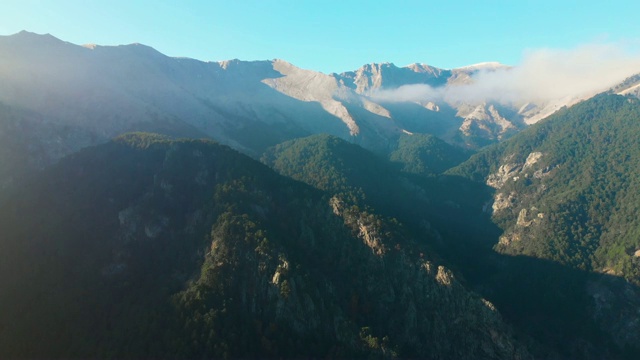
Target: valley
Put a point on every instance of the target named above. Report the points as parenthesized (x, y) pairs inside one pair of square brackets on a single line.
[(154, 206)]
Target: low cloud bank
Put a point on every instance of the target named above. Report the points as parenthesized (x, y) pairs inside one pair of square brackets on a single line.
[(543, 75)]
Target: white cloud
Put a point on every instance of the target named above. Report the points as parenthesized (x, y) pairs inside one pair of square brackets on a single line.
[(544, 74)]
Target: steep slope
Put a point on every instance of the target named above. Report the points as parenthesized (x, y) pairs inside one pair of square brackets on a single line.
[(376, 76), (249, 105), (327, 163), (552, 306), (331, 164), (28, 142), (579, 163), (567, 190), (363, 178), (425, 154), (630, 86), (416, 97), (109, 90), (148, 247)]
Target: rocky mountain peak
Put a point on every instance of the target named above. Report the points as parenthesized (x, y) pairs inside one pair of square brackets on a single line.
[(490, 65), (29, 41)]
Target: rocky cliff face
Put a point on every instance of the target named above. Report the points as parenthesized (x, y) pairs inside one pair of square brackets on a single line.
[(562, 189), (509, 201), (250, 105), (372, 77)]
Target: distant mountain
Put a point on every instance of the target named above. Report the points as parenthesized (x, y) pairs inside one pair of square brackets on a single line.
[(148, 247), (376, 76), (29, 142), (103, 91), (373, 238)]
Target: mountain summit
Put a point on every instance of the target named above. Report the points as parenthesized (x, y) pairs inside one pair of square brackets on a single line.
[(250, 105), (385, 227)]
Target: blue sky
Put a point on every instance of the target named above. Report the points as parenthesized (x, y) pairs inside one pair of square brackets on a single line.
[(333, 36)]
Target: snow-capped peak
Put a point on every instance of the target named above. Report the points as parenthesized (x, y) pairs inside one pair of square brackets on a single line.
[(490, 65)]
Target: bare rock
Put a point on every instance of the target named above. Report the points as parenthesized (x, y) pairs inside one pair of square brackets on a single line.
[(532, 159)]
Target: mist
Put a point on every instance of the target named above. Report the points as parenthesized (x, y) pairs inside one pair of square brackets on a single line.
[(543, 75)]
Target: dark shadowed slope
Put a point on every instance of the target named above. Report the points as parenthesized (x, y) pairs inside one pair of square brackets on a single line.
[(147, 247), (566, 190), (563, 312)]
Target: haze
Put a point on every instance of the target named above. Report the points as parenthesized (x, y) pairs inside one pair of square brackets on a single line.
[(330, 35), (543, 75)]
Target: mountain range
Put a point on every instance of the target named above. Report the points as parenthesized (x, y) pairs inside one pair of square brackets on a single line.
[(88, 94), (172, 208)]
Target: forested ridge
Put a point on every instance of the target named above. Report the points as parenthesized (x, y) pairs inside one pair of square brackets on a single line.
[(452, 216), (148, 246), (586, 184)]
